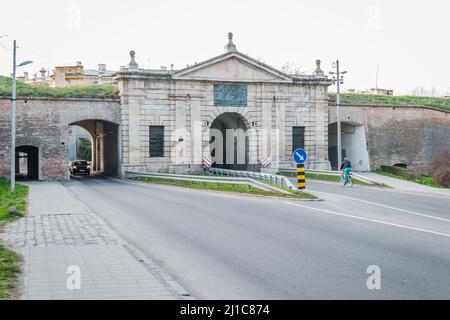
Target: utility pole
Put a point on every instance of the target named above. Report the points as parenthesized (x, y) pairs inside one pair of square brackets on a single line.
[(338, 79), (376, 80), (13, 122), (13, 118)]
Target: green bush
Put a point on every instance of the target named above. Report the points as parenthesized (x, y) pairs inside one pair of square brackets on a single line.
[(441, 169), (402, 172)]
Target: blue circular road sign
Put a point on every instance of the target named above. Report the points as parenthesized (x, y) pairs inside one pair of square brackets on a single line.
[(299, 156)]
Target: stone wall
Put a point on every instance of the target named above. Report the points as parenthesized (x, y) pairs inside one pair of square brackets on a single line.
[(44, 123), (400, 134)]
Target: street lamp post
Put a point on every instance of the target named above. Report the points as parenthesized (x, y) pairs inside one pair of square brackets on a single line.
[(13, 118), (338, 79)]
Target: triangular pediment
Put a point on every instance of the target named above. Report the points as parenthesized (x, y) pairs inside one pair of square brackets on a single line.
[(235, 67)]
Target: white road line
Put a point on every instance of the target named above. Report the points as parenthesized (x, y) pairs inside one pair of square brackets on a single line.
[(386, 206), (370, 220)]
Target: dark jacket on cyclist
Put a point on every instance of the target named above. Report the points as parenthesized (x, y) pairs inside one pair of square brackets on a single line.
[(346, 164)]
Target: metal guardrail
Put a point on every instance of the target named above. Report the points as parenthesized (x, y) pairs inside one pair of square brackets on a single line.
[(335, 173), (198, 178), (278, 180)]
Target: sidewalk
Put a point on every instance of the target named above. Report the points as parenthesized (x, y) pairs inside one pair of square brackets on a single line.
[(403, 185), (60, 235)]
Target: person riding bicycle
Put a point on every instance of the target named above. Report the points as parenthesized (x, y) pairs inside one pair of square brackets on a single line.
[(346, 168)]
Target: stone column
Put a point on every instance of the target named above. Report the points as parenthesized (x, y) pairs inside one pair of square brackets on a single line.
[(320, 160), (280, 112), (134, 132), (196, 134), (179, 153)]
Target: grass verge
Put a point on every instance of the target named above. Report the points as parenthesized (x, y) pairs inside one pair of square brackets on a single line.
[(238, 188), (9, 269), (422, 179), (9, 260), (325, 177), (17, 199)]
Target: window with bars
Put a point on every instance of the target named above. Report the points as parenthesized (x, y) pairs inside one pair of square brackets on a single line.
[(156, 138), (298, 138)]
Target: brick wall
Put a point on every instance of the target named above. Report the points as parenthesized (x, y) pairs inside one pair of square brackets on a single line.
[(44, 123), (400, 134)]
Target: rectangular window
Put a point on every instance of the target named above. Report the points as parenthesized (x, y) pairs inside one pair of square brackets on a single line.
[(298, 138), (156, 137)]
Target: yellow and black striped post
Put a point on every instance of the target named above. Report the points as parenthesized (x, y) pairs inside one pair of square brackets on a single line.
[(301, 180)]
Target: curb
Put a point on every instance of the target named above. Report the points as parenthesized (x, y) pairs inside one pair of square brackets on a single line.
[(213, 191), (156, 270)]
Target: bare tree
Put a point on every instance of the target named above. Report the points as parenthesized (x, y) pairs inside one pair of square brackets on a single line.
[(421, 91), (291, 68)]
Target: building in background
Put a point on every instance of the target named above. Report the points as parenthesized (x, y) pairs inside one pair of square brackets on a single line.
[(377, 91), (65, 76), (43, 78)]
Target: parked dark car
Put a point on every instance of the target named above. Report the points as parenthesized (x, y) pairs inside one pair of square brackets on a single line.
[(80, 167)]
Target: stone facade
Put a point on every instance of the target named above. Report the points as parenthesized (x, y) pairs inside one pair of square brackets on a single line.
[(44, 124), (407, 135), (184, 102)]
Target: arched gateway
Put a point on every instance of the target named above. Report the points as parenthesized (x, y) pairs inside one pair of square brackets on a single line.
[(169, 117), (229, 142)]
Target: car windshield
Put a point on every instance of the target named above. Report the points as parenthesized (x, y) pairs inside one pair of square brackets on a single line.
[(80, 163)]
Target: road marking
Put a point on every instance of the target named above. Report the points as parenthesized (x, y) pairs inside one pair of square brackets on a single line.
[(386, 206), (370, 220)]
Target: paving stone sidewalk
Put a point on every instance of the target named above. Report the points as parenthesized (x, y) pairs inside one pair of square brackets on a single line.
[(62, 242)]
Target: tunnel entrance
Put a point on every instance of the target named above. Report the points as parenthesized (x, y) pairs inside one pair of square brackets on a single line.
[(229, 142), (95, 141), (27, 163), (354, 146)]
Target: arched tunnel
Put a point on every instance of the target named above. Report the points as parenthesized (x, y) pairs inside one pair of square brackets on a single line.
[(104, 155)]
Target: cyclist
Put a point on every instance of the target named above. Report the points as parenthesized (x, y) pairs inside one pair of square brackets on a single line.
[(346, 168)]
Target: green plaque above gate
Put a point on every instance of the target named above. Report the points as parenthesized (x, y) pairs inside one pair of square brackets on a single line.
[(230, 95)]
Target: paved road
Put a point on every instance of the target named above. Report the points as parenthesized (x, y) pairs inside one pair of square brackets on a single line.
[(235, 247)]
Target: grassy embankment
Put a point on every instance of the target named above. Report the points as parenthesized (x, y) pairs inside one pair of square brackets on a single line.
[(40, 90), (237, 188), (9, 260), (371, 99), (421, 179)]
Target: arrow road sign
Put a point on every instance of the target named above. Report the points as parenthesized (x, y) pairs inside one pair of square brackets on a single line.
[(299, 156)]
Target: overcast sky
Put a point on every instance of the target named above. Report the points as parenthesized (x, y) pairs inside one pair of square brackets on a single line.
[(409, 40)]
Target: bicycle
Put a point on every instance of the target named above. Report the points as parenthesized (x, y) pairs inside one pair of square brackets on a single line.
[(349, 179)]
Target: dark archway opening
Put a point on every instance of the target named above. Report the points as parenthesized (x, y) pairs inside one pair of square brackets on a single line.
[(229, 142), (353, 143), (102, 141), (27, 163)]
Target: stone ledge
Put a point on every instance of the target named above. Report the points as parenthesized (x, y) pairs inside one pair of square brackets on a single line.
[(64, 99)]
